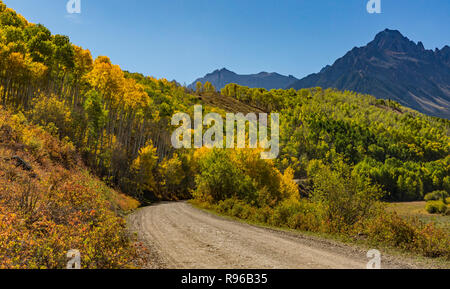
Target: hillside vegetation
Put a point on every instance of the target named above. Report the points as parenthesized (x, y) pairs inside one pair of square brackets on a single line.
[(405, 153), (50, 204)]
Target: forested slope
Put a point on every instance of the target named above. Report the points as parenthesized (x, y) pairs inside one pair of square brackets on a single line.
[(119, 121), (110, 115), (403, 151)]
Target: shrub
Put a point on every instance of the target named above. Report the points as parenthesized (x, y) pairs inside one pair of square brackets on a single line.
[(432, 207), (345, 198), (436, 196), (264, 176), (172, 176), (225, 206), (436, 207), (433, 242), (220, 178), (391, 229), (237, 209), (284, 211), (306, 217), (263, 215), (223, 174), (443, 208), (412, 235)]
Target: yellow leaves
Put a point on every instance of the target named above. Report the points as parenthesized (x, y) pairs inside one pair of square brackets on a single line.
[(83, 60), (134, 94), (22, 66), (147, 155), (118, 91), (143, 167), (288, 187), (103, 60), (200, 154), (50, 109), (31, 141), (125, 202), (16, 62), (107, 78), (38, 70), (171, 171), (18, 119)]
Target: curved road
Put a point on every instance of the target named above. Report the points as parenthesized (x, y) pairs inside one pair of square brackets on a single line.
[(181, 237)]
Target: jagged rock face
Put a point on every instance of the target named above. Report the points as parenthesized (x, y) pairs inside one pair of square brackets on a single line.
[(392, 67), (220, 78)]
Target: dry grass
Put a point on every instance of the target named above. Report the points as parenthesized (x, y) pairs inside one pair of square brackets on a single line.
[(417, 209)]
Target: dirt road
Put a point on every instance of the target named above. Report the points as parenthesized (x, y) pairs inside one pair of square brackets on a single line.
[(181, 237)]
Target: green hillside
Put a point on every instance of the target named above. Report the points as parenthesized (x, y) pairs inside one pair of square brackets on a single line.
[(403, 151)]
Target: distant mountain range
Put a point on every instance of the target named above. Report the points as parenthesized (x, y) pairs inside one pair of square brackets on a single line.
[(222, 77), (392, 67), (389, 67)]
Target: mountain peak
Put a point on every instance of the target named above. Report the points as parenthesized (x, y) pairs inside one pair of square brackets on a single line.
[(222, 77), (392, 40), (420, 44), (388, 33), (222, 70), (445, 50)]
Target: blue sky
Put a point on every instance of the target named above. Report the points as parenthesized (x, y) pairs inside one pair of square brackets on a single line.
[(185, 39)]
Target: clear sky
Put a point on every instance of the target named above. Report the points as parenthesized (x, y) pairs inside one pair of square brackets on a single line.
[(185, 39)]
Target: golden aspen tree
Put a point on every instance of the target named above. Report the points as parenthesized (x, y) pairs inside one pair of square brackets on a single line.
[(209, 88), (199, 87)]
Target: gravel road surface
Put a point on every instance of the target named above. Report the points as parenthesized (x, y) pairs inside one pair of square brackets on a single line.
[(180, 236)]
